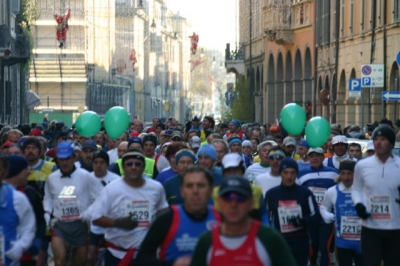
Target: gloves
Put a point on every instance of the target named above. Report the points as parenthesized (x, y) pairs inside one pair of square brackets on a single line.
[(296, 221), (47, 218), (329, 217), (15, 252), (361, 211), (127, 223)]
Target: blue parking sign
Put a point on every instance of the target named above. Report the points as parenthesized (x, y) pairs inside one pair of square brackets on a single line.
[(365, 81)]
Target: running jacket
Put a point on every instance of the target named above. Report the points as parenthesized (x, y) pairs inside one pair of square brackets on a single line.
[(376, 186)]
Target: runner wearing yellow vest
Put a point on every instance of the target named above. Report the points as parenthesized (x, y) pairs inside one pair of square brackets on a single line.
[(148, 167)]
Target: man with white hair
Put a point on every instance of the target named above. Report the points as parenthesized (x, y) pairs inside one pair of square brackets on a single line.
[(340, 146), (262, 167)]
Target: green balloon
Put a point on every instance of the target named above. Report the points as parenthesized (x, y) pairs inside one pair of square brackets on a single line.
[(318, 131), (88, 124), (116, 121), (293, 118)]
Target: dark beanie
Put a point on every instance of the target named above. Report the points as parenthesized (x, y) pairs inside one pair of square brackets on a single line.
[(102, 155), (347, 164), (385, 131), (17, 164), (150, 138), (135, 140), (31, 141), (288, 163)]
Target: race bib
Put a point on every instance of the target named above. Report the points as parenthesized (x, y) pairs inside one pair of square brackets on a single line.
[(319, 194), (380, 208), (140, 211), (2, 248), (350, 228), (288, 210), (69, 208)]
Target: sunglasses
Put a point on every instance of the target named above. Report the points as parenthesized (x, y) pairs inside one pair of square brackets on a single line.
[(276, 157), (234, 196), (136, 164)]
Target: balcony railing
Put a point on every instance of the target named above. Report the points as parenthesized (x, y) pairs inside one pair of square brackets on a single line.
[(278, 22)]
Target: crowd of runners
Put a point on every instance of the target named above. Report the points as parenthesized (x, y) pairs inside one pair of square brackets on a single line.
[(199, 193)]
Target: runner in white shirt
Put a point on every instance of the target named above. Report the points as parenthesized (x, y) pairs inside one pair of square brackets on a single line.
[(17, 219), (337, 207), (376, 193), (272, 178), (102, 175), (135, 203), (262, 167), (340, 146), (68, 193)]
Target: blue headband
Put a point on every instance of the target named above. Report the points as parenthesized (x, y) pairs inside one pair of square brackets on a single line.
[(234, 141), (182, 153)]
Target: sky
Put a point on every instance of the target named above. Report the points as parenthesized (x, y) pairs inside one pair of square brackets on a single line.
[(213, 20)]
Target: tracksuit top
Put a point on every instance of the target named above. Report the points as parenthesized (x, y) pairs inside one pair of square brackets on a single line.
[(348, 225), (9, 219), (318, 180), (184, 233)]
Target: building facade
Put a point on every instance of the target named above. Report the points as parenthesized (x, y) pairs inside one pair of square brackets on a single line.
[(306, 52), (14, 56), (128, 53)]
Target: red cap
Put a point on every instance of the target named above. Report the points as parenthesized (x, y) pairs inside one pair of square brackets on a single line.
[(275, 128), (35, 132), (134, 134), (151, 130), (52, 152), (7, 144)]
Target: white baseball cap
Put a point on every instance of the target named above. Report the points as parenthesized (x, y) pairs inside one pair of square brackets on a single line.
[(232, 160), (339, 139), (370, 146), (195, 142)]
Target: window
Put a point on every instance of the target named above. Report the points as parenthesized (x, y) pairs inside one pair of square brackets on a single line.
[(342, 15), (380, 13), (396, 10), (351, 18), (362, 24)]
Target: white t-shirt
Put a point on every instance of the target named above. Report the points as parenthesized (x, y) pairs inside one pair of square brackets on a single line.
[(113, 154), (105, 180), (118, 200), (255, 170), (267, 181), (162, 162), (26, 226), (69, 197)]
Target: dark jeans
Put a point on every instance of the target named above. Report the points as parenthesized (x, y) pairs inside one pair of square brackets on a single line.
[(109, 259), (300, 247), (321, 237), (347, 256), (378, 245)]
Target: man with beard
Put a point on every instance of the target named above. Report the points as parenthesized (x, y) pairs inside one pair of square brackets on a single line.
[(86, 160), (40, 171)]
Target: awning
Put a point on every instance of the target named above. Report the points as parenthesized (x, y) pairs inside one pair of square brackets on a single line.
[(32, 100)]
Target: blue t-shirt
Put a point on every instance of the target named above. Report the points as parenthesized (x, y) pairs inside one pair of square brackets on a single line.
[(165, 175)]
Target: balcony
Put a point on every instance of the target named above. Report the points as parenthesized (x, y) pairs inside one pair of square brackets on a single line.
[(56, 70), (234, 60), (278, 22)]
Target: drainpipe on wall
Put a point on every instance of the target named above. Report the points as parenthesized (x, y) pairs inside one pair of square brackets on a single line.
[(371, 60), (337, 26), (384, 57)]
